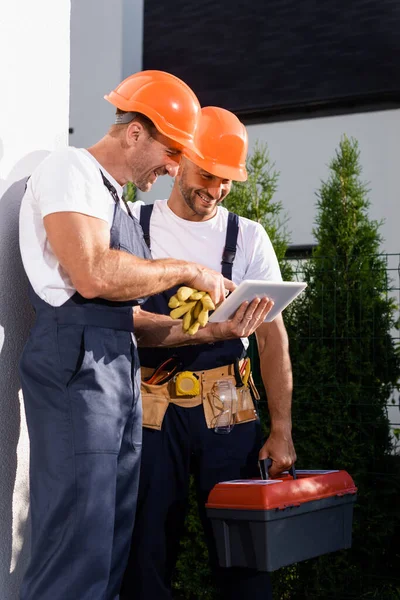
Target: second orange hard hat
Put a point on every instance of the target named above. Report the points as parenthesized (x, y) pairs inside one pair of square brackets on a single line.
[(222, 140), (165, 99)]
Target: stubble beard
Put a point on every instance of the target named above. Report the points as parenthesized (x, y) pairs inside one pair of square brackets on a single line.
[(190, 196)]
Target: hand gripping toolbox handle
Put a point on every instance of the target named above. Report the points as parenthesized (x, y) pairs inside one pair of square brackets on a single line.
[(266, 463)]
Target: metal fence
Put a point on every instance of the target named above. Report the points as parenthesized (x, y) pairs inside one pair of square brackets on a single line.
[(299, 256), (371, 584)]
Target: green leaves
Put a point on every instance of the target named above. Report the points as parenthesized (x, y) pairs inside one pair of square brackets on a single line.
[(130, 192), (343, 226), (346, 367), (253, 199)]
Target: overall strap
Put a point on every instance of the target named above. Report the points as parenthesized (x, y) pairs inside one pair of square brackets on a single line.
[(229, 253), (232, 231), (114, 193), (145, 216)]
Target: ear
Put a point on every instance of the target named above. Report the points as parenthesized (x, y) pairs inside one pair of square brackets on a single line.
[(133, 132)]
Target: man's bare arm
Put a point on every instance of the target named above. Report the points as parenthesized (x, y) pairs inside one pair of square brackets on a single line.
[(154, 330), (276, 372), (81, 244)]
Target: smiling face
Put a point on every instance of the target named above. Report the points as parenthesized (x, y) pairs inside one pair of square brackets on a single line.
[(149, 155), (197, 192)]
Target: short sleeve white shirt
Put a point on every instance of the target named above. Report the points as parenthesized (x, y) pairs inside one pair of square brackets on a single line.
[(204, 241), (68, 180)]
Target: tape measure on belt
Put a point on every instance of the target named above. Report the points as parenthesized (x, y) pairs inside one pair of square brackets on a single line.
[(187, 384)]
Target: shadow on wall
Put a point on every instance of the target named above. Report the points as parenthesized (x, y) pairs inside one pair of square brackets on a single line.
[(16, 317)]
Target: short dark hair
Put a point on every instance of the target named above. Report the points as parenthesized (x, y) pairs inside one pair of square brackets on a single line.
[(145, 121)]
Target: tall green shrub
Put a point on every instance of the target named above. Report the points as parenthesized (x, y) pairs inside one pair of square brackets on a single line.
[(346, 366), (253, 199)]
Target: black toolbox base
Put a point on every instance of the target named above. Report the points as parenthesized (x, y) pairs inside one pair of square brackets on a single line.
[(268, 540)]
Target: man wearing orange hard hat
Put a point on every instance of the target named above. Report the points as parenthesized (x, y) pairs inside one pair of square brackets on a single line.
[(179, 435), (88, 266)]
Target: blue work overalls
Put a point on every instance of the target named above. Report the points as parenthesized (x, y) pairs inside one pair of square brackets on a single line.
[(81, 385), (185, 445)]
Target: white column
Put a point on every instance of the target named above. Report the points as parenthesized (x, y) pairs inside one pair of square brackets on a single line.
[(106, 47), (34, 105), (132, 37)]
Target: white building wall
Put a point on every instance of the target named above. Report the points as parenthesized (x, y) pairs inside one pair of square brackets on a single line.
[(106, 47), (34, 98), (302, 150)]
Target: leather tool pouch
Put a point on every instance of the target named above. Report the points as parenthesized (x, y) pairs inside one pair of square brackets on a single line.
[(156, 398)]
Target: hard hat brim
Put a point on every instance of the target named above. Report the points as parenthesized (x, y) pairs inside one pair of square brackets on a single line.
[(215, 168), (185, 141)]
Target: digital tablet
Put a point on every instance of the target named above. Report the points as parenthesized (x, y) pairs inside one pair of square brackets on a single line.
[(281, 292)]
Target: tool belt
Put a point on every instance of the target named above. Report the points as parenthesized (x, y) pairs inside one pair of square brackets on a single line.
[(156, 398)]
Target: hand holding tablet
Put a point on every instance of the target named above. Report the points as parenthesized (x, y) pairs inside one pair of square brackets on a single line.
[(281, 292)]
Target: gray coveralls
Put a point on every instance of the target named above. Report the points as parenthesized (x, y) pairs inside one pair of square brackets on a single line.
[(81, 385)]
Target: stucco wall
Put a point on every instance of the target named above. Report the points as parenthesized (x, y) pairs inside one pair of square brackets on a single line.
[(301, 151), (106, 47), (34, 100)]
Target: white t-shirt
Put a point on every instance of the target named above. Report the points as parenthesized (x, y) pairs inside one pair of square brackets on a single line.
[(204, 241), (66, 180)]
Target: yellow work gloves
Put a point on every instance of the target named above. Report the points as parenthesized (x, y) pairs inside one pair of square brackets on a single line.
[(193, 306)]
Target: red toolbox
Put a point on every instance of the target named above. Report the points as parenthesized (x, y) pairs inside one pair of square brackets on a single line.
[(268, 524)]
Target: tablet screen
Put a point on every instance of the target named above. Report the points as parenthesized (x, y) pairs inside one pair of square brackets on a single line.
[(281, 292)]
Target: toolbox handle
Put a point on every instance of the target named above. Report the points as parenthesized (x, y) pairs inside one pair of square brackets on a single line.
[(266, 463)]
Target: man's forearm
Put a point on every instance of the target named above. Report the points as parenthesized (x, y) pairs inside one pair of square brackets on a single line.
[(82, 246), (276, 372), (160, 330), (154, 330), (121, 276)]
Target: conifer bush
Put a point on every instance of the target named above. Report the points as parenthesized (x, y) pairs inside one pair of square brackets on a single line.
[(346, 366)]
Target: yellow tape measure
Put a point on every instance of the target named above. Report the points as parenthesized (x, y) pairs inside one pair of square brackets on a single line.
[(187, 384)]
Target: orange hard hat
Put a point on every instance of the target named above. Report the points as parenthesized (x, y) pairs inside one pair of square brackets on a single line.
[(222, 140), (165, 99)]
